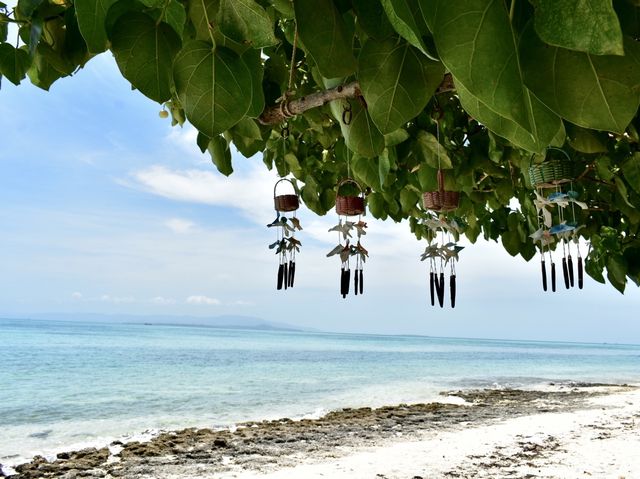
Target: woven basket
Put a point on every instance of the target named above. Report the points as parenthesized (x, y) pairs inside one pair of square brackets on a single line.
[(349, 205), (285, 203), (441, 200), (552, 172)]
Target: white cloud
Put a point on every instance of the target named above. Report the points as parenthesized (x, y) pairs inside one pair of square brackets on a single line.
[(162, 300), (199, 299), (250, 192), (179, 226), (116, 299), (76, 295)]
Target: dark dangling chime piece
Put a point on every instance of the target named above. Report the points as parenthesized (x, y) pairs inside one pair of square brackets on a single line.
[(432, 287), (570, 266), (544, 274), (356, 277), (280, 276), (452, 289), (441, 290), (361, 274), (553, 277), (565, 272), (285, 276), (580, 272), (292, 273)]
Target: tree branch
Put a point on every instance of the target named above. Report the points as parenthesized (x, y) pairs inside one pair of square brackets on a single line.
[(289, 108)]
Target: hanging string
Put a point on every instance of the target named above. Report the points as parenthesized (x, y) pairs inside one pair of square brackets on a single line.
[(293, 55)]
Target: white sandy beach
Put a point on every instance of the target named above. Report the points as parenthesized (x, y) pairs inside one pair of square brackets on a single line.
[(599, 443)]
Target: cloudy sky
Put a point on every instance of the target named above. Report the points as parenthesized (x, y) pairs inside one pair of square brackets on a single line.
[(105, 208)]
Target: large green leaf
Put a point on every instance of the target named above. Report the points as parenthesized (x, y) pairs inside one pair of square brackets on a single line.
[(220, 154), (144, 50), (91, 20), (431, 151), (212, 86), (402, 15), (245, 21), (27, 7), (599, 92), (589, 26), (361, 135), (476, 43), (14, 63), (397, 81), (324, 36), (253, 60), (631, 171), (372, 19), (199, 11), (545, 122)]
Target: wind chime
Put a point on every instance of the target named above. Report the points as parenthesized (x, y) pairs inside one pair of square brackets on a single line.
[(349, 206), (444, 253), (548, 178), (286, 244)]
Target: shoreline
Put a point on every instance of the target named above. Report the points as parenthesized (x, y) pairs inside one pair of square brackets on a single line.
[(280, 447)]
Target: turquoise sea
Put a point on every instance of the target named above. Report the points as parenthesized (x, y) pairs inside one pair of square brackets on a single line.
[(69, 384)]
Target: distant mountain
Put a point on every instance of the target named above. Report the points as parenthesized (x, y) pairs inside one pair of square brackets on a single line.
[(223, 322)]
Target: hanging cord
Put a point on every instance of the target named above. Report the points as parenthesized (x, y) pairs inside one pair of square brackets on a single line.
[(284, 100)]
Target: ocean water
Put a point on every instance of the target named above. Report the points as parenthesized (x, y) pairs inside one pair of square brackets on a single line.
[(68, 385)]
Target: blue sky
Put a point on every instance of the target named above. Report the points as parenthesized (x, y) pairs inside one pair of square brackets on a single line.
[(104, 207)]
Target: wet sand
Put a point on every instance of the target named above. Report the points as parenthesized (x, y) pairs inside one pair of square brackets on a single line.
[(569, 430)]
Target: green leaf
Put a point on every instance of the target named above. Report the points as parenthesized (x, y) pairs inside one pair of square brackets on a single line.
[(586, 141), (144, 51), (212, 86), (367, 172), (27, 7), (175, 16), (408, 199), (631, 171), (246, 22), (402, 15), (372, 19), (14, 63), (598, 92), (324, 37), (91, 21), (35, 34), (361, 135), (396, 137), (384, 166), (545, 122), (199, 11), (397, 81), (247, 138), (617, 271), (254, 63), (377, 205), (476, 43), (511, 242), (432, 152), (284, 7), (220, 154), (43, 72), (622, 189), (588, 26)]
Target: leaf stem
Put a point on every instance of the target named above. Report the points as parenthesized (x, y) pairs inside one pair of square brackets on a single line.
[(209, 26), (512, 10)]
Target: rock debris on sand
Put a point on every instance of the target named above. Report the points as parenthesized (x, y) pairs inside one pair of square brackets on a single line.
[(256, 447)]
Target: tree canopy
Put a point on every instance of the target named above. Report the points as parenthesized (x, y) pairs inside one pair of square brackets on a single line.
[(388, 92)]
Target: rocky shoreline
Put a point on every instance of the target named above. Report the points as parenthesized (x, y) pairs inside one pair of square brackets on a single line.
[(269, 445)]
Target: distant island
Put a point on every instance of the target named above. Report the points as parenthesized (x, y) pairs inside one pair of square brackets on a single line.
[(221, 322)]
